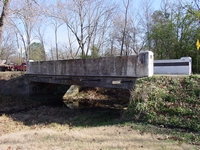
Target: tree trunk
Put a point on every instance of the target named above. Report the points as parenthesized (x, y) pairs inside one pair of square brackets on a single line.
[(3, 16)]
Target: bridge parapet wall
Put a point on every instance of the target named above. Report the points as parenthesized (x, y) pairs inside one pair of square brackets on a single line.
[(123, 66), (108, 72)]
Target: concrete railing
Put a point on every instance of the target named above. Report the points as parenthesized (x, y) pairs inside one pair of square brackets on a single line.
[(181, 66), (123, 66)]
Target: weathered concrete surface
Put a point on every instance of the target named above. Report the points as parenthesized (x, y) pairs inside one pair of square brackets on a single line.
[(130, 66), (106, 82), (108, 72)]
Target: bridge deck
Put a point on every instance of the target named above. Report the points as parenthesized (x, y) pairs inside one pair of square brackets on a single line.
[(114, 72), (87, 81)]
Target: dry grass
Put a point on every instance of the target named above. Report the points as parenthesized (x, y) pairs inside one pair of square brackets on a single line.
[(7, 75), (94, 138), (49, 128)]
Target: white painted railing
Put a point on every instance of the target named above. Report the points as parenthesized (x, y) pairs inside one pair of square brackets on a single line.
[(181, 66)]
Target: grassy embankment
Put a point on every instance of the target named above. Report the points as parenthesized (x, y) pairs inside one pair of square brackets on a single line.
[(168, 101)]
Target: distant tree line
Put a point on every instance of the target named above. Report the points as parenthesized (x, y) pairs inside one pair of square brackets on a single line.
[(95, 28)]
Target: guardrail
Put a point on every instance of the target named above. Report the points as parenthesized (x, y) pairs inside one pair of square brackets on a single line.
[(182, 66)]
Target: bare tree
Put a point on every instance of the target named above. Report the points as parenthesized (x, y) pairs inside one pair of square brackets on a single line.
[(145, 17), (7, 46), (86, 21), (83, 18), (101, 34), (55, 24), (117, 32), (25, 17), (3, 16), (51, 52), (126, 4), (70, 45), (125, 32), (40, 34)]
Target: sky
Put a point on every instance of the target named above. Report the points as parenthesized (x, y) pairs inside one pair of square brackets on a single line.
[(62, 32), (136, 3)]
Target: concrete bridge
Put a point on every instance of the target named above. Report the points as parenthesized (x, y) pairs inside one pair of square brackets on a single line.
[(109, 72)]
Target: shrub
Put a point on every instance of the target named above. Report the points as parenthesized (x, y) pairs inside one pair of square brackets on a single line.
[(170, 101)]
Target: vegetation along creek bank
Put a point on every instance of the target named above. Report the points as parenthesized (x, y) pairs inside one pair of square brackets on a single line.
[(162, 112)]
